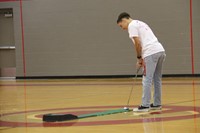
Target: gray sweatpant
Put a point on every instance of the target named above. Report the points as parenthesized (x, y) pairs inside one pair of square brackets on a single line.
[(153, 73)]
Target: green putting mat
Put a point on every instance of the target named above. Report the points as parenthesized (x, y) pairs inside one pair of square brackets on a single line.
[(67, 117), (103, 113)]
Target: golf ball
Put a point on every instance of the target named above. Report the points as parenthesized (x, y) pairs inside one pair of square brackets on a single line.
[(125, 108)]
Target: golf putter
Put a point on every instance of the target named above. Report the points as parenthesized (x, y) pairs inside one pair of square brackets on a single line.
[(127, 105)]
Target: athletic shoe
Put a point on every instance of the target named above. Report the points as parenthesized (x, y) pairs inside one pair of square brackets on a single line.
[(158, 107), (141, 109)]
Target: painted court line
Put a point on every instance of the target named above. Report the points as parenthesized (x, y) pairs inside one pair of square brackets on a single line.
[(74, 84)]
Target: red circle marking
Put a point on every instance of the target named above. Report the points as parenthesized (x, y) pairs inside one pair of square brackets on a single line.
[(173, 109)]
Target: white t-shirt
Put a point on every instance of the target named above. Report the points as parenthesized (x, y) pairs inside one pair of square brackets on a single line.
[(149, 42)]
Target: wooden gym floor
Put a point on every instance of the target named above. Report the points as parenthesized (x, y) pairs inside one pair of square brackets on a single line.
[(22, 104)]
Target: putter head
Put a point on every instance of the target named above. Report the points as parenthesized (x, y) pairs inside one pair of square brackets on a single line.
[(126, 108)]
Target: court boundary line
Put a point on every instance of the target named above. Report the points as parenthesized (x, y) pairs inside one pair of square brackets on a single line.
[(90, 84)]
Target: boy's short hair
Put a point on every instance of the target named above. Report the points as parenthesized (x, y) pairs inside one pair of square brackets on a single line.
[(123, 15)]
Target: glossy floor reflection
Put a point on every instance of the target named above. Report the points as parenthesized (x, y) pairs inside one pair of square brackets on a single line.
[(22, 104)]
